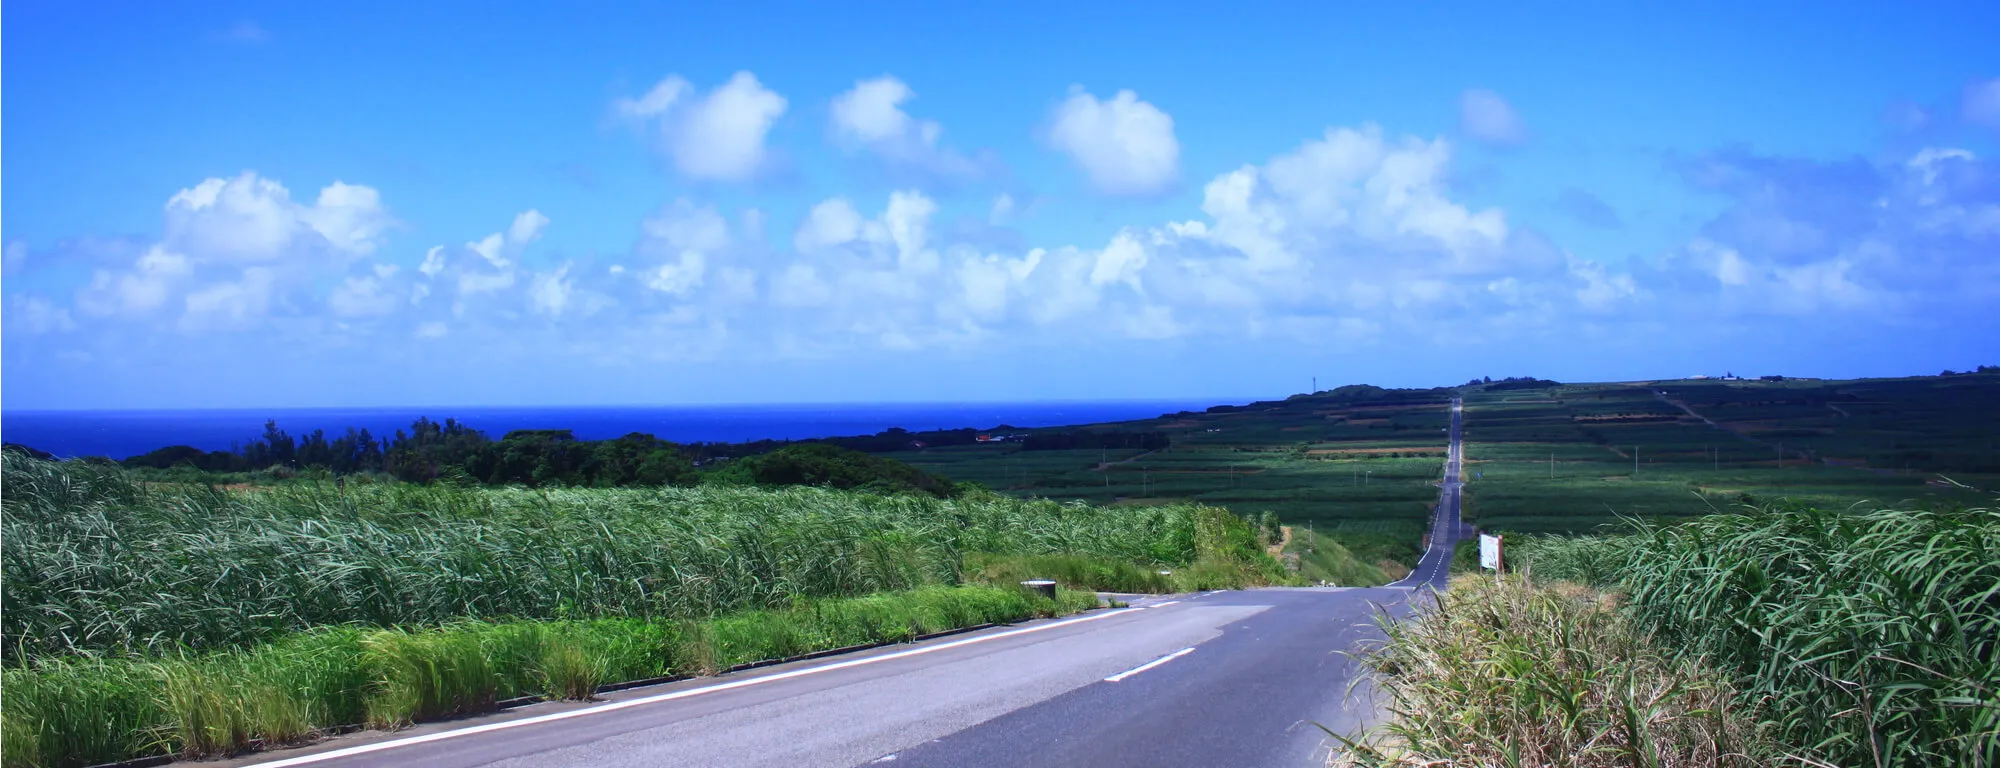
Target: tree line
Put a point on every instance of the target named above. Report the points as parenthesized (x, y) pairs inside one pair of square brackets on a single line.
[(452, 451)]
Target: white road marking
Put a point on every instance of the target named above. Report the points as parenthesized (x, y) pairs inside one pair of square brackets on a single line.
[(1165, 604), (617, 705), (1149, 665)]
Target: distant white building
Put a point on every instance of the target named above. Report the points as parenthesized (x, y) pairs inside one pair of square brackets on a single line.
[(1698, 377)]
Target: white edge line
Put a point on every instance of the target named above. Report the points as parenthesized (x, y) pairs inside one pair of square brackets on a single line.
[(1165, 604), (616, 705), (1149, 665)]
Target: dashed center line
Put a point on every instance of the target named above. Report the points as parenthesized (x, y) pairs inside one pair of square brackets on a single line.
[(1149, 665)]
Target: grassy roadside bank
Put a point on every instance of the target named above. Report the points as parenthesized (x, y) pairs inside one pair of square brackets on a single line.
[(149, 618), (1786, 636), (100, 564), (74, 712), (1328, 560), (1511, 673)]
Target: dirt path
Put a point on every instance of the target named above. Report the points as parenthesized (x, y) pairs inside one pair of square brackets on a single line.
[(1104, 466), (1279, 548)]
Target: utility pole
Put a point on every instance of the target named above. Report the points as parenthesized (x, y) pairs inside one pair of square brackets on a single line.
[(1315, 389), (1635, 461), (1309, 537), (1552, 465)]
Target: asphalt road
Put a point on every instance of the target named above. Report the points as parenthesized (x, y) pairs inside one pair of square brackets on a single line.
[(1446, 527), (1236, 678)]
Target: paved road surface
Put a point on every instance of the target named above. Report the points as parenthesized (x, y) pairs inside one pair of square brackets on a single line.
[(1223, 678), (1446, 527)]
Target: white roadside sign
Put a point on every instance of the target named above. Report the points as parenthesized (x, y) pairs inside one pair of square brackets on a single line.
[(1489, 551)]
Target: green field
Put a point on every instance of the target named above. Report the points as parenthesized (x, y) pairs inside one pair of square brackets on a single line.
[(1562, 459), (1360, 463)]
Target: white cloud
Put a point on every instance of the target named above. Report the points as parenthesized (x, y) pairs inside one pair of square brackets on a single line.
[(832, 222), (33, 314), (678, 240), (663, 96), (431, 330), (143, 288), (870, 116), (433, 261), (363, 297), (717, 136), (1486, 118), (1119, 262), (253, 219), (908, 223), (350, 217), (1125, 146), (869, 113), (550, 292), (234, 303), (483, 272), (490, 248), (527, 228)]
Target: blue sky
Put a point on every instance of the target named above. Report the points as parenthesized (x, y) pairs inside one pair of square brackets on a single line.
[(453, 204)]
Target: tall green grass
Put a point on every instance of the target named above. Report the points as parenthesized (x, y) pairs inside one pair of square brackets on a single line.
[(150, 618), (1868, 638), (1502, 672), (80, 711), (98, 563)]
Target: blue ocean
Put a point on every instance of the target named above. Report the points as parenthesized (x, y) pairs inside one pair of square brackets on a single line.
[(120, 434)]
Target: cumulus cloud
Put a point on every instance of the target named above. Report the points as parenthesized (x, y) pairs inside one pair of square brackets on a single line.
[(1353, 237), (1126, 147), (870, 116), (676, 244), (363, 296), (481, 273), (719, 135), (142, 289), (249, 218), (1488, 119), (233, 303)]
